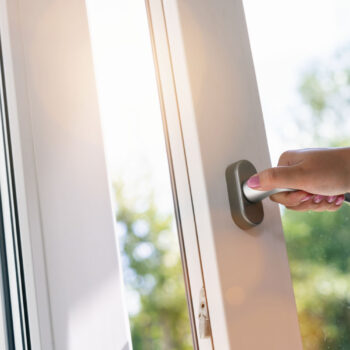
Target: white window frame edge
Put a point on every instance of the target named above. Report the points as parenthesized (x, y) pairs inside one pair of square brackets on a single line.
[(8, 248), (174, 51), (25, 178), (9, 212), (39, 254), (178, 164)]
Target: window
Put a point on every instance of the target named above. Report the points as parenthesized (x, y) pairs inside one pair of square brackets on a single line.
[(74, 71)]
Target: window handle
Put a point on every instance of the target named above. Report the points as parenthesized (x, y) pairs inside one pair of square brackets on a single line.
[(254, 196), (246, 203)]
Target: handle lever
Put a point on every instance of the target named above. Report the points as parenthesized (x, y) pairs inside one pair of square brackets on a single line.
[(255, 196)]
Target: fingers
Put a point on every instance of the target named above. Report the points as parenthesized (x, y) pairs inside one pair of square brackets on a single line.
[(278, 177), (291, 199), (320, 203)]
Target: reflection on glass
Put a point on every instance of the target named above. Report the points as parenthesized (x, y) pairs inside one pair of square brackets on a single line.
[(138, 169), (304, 80)]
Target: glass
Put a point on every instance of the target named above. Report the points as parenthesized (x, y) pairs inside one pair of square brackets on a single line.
[(301, 51), (139, 176)]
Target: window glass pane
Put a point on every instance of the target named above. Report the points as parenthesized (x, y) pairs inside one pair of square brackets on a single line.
[(139, 175), (301, 52)]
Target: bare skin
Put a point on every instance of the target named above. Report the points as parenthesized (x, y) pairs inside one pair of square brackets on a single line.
[(321, 174)]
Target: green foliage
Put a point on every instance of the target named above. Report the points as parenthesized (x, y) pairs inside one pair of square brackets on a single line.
[(321, 238), (319, 243), (152, 268), (319, 253)]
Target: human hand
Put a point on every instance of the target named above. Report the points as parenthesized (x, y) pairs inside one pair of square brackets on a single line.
[(322, 176)]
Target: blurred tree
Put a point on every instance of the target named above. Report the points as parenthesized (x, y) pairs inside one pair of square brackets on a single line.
[(319, 253), (152, 268), (318, 244)]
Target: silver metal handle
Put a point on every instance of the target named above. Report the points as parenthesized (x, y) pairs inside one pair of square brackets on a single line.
[(255, 196)]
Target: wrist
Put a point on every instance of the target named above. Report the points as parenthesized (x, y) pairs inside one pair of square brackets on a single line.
[(345, 159)]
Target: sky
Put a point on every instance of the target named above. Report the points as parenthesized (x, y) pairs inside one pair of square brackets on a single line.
[(286, 38)]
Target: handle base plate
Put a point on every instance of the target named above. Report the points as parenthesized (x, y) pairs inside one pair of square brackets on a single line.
[(244, 213)]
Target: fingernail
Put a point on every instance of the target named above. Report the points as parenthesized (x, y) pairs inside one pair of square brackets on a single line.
[(331, 199), (254, 181), (339, 200), (306, 198), (318, 198)]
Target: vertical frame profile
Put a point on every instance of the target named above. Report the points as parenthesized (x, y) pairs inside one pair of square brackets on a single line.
[(70, 255), (209, 93), (178, 168), (12, 270)]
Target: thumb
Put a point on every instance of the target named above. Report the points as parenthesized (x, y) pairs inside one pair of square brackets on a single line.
[(278, 177)]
